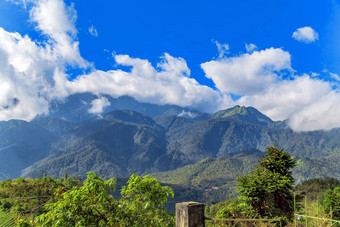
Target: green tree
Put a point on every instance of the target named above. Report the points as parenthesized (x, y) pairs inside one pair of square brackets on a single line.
[(268, 188), (143, 201), (331, 202), (237, 209), (88, 205), (142, 204)]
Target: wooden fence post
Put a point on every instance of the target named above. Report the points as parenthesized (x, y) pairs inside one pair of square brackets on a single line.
[(190, 214)]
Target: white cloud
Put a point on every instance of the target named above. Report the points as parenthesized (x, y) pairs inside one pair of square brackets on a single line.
[(93, 31), (187, 114), (98, 105), (290, 98), (222, 49), (248, 73), (57, 21), (250, 47), (33, 73), (335, 76), (23, 70), (168, 83), (307, 101), (306, 35), (314, 74), (322, 113)]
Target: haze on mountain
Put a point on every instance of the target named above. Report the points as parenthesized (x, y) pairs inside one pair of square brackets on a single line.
[(132, 137)]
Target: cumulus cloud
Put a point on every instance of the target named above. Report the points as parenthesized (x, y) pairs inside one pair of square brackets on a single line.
[(168, 83), (306, 35), (322, 113), (290, 99), (93, 31), (307, 101), (248, 73), (23, 66), (57, 21), (98, 105), (32, 73)]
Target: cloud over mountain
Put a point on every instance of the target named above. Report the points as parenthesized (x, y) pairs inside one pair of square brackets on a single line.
[(265, 79), (308, 103), (168, 83), (34, 72)]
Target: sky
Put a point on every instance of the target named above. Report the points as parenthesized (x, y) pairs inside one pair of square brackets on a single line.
[(280, 57)]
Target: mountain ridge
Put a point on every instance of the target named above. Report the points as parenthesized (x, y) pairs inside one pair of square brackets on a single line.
[(117, 143), (250, 115)]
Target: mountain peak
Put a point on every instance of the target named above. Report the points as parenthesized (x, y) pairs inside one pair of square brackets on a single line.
[(246, 114), (241, 110)]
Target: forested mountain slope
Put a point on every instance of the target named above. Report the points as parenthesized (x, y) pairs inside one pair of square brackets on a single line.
[(132, 137)]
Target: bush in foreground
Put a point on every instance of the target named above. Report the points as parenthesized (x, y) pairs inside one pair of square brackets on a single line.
[(142, 204)]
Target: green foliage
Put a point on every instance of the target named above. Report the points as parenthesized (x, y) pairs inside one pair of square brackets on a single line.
[(238, 209), (5, 217), (90, 204), (317, 168), (142, 204), (331, 202), (316, 188), (23, 197), (211, 179), (143, 200), (268, 188)]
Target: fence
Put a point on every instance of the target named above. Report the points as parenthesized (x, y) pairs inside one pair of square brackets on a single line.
[(191, 214), (9, 223), (303, 219), (243, 222)]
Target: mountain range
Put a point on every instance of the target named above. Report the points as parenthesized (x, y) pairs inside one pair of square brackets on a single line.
[(133, 137)]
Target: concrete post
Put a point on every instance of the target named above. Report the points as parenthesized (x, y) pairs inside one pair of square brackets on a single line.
[(190, 214)]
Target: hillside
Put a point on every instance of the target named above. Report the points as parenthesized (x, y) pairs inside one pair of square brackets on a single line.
[(22, 144), (216, 178), (132, 137), (219, 137), (119, 144), (76, 108)]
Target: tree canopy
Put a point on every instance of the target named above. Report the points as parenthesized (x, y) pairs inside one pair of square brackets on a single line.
[(331, 202), (142, 204), (268, 188)]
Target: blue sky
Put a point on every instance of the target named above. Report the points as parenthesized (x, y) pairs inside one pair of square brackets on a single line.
[(189, 53), (147, 29)]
